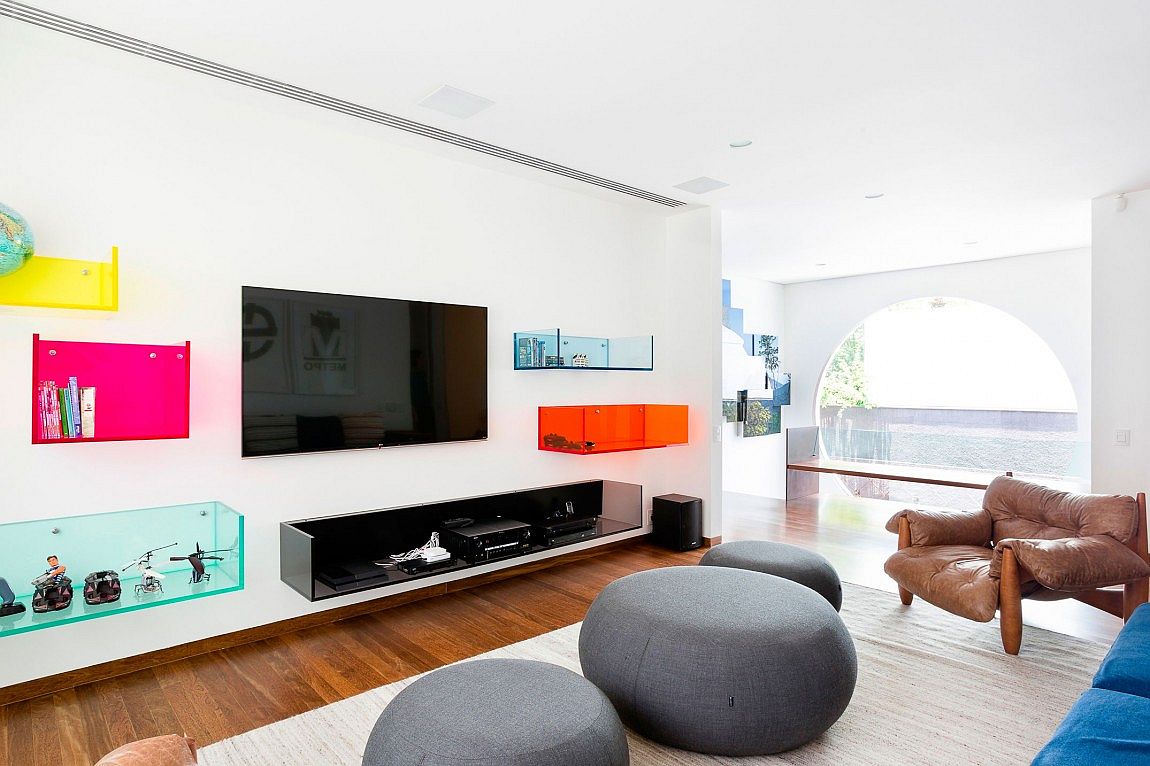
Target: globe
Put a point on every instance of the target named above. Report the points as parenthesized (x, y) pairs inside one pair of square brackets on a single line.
[(16, 241)]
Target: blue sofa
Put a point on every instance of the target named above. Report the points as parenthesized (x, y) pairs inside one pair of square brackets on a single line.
[(1110, 722)]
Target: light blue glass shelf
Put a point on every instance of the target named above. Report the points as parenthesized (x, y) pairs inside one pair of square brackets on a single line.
[(553, 350), (111, 541)]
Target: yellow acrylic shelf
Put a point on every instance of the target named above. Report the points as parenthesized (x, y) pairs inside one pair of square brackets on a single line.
[(62, 283)]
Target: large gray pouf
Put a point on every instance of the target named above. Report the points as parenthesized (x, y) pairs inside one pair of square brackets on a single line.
[(719, 660), (498, 713), (788, 561)]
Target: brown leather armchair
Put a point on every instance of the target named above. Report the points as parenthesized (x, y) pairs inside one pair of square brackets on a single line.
[(1027, 541)]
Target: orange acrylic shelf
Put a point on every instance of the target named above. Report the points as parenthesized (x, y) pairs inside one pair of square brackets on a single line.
[(595, 428)]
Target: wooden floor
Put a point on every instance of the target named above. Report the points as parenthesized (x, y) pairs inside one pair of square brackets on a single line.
[(218, 695)]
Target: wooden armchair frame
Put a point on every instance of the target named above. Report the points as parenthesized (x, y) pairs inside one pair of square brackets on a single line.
[(1118, 603)]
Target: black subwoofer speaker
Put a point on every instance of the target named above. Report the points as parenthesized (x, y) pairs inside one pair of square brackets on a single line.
[(677, 522)]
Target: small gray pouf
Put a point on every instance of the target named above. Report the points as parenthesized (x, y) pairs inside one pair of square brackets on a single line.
[(787, 561), (498, 712), (719, 660)]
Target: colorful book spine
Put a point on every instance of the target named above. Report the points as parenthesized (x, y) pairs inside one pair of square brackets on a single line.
[(65, 422), (54, 411), (88, 412), (74, 406), (42, 408)]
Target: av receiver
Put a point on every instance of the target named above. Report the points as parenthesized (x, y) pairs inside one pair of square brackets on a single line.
[(487, 540)]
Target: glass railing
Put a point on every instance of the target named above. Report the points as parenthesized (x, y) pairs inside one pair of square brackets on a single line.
[(1042, 454)]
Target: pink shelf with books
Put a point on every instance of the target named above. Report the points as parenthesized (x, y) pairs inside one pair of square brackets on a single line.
[(100, 392)]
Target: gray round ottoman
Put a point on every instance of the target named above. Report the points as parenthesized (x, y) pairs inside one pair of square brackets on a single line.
[(788, 561), (719, 660), (498, 713)]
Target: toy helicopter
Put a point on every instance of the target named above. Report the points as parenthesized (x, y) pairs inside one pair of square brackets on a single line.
[(197, 560), (150, 579)]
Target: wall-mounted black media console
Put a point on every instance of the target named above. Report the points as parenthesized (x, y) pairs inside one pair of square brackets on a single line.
[(336, 555)]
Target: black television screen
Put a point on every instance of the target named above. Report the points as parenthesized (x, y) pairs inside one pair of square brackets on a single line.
[(331, 372)]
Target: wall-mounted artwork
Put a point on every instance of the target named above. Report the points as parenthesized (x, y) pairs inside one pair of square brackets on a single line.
[(323, 349), (751, 363), (730, 411), (265, 346), (762, 419), (780, 388)]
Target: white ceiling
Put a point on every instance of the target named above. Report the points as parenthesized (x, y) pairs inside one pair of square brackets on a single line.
[(978, 120)]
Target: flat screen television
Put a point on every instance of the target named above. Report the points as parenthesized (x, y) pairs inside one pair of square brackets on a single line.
[(333, 372)]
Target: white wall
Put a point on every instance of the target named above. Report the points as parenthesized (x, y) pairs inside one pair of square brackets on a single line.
[(206, 187), (1049, 292), (755, 466), (1121, 342)]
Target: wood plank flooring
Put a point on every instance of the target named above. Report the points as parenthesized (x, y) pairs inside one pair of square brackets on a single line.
[(217, 695)]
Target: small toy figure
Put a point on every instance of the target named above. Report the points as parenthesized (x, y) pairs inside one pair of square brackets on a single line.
[(197, 559), (8, 605), (53, 588), (151, 581), (56, 570)]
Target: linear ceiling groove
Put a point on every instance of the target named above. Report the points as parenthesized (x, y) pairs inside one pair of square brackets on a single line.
[(55, 22)]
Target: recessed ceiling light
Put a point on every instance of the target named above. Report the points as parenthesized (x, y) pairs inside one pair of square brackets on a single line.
[(971, 242), (820, 264), (456, 102), (701, 185), (739, 143), (874, 196)]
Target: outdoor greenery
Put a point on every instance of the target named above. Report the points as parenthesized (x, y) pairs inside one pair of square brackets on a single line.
[(762, 419), (769, 350), (844, 383)]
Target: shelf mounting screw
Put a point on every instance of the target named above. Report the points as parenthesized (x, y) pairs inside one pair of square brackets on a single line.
[(55, 530), (52, 352), (152, 355), (85, 272)]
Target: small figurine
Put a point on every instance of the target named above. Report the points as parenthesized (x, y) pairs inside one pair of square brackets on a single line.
[(197, 560), (56, 569), (8, 605), (53, 588), (150, 579)]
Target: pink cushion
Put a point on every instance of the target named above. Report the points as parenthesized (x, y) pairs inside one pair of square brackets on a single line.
[(168, 750)]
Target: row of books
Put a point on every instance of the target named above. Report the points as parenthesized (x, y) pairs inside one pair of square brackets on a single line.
[(68, 412), (533, 352)]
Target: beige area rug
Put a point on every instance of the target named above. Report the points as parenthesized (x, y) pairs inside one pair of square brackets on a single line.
[(932, 689)]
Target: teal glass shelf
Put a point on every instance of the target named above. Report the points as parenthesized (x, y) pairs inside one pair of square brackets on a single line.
[(554, 350), (114, 541)]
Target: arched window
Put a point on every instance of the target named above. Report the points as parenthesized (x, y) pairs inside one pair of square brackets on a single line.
[(951, 383)]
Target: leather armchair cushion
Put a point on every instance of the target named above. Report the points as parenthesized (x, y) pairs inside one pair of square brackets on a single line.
[(1075, 563), (953, 577), (945, 527), (1024, 510)]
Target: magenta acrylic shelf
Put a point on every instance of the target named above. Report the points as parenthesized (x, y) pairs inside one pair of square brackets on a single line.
[(142, 391)]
